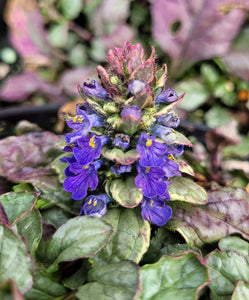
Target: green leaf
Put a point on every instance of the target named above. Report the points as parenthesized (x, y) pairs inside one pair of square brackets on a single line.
[(55, 216), (231, 243), (120, 157), (196, 92), (70, 9), (226, 268), (217, 116), (184, 189), (78, 237), (58, 35), (15, 262), (45, 287), (78, 278), (125, 192), (114, 281), (178, 277), (16, 205), (241, 291), (30, 227), (225, 213), (130, 240)]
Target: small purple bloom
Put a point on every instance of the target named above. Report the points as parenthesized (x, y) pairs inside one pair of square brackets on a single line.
[(83, 176), (169, 120), (84, 120), (133, 111), (167, 134), (149, 180), (119, 169), (92, 88), (176, 150), (89, 149), (121, 140), (95, 205), (167, 96), (136, 86), (154, 210), (171, 167), (151, 152)]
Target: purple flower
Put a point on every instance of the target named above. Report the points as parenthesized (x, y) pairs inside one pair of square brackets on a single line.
[(171, 167), (154, 210), (165, 133), (176, 150), (95, 205), (136, 86), (149, 180), (133, 111), (92, 88), (121, 140), (89, 149), (82, 123), (151, 152), (119, 169), (169, 120), (82, 177), (167, 96)]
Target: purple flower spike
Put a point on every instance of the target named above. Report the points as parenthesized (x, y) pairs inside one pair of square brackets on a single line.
[(95, 205), (121, 140), (169, 120), (149, 180), (119, 169), (136, 86), (154, 210), (133, 111), (167, 96), (151, 152), (92, 88), (84, 176)]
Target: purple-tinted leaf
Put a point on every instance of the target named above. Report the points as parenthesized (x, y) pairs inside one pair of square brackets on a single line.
[(144, 98), (226, 212), (102, 23), (9, 290), (193, 30), (145, 72), (15, 261), (122, 33), (218, 138), (106, 81), (27, 30), (20, 87), (237, 59), (3, 216), (26, 158), (71, 78)]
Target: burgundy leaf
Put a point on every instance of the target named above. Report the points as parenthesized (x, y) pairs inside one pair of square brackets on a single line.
[(26, 158), (226, 212), (27, 30), (192, 30), (20, 87)]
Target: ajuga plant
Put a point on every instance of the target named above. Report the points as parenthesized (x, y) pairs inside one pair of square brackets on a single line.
[(123, 148)]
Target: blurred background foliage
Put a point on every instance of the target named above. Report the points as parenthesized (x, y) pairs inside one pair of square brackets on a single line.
[(47, 47)]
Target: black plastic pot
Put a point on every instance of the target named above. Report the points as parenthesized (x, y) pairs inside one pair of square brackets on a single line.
[(46, 117)]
